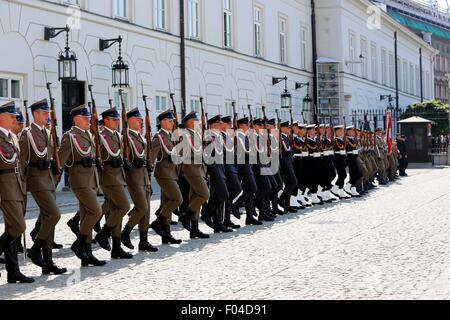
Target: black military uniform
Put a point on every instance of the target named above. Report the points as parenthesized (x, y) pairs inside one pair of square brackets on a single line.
[(287, 170), (340, 163)]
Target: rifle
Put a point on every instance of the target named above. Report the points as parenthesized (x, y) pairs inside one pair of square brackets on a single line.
[(94, 125), (269, 147), (303, 117), (202, 118), (126, 155), (27, 117), (53, 132), (250, 115), (279, 132), (174, 108), (291, 136), (233, 104), (148, 127), (345, 133), (110, 100)]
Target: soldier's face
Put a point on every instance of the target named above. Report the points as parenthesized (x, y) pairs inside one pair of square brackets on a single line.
[(301, 132), (82, 122), (339, 133), (7, 120), (135, 124), (41, 117), (167, 124), (112, 123), (225, 126), (311, 133), (18, 127)]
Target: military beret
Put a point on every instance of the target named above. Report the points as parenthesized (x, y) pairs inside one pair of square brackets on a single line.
[(40, 105), (258, 122), (217, 118), (310, 126), (350, 128), (272, 122), (165, 115), (9, 107), (285, 124), (301, 126), (227, 119), (243, 121), (111, 113), (134, 113), (192, 115), (338, 127), (80, 111)]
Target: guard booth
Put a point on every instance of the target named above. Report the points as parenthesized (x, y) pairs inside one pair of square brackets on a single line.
[(418, 138)]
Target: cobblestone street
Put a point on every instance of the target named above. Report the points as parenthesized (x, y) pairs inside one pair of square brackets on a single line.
[(392, 244)]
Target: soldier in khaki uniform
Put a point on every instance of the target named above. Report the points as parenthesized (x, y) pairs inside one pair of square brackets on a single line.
[(194, 172), (166, 174), (36, 160), (77, 152), (112, 181), (12, 193), (138, 181)]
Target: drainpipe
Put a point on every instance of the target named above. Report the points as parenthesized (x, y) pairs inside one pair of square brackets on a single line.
[(182, 60), (314, 59)]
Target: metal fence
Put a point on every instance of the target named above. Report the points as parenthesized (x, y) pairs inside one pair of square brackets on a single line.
[(370, 119)]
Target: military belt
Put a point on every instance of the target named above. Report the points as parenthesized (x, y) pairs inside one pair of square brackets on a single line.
[(8, 171)]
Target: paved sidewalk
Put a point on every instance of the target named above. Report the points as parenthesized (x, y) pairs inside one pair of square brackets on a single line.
[(392, 244)]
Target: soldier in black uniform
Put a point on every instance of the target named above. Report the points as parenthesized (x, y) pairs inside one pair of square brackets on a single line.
[(328, 156), (352, 154), (340, 163), (313, 164), (300, 152), (403, 156), (287, 167), (245, 170), (275, 179), (231, 173)]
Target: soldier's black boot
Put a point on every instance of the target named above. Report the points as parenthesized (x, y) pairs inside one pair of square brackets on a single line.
[(125, 237), (49, 266), (2, 260), (35, 253), (275, 209), (207, 217), (57, 245), (263, 216), (250, 211), (5, 240), (90, 259), (34, 232), (78, 247), (74, 225), (97, 227), (144, 245), (157, 226), (103, 236), (185, 219), (196, 233), (12, 265), (20, 248), (117, 252), (168, 238), (227, 221)]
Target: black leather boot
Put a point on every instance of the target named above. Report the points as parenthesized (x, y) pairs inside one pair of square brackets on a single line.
[(35, 253), (12, 265), (34, 232), (103, 236), (97, 227), (57, 245), (90, 259), (185, 219), (157, 226), (196, 233), (263, 216), (117, 252), (74, 226), (20, 248), (168, 238), (207, 218), (5, 240), (125, 237), (275, 209), (144, 245), (49, 266), (79, 247)]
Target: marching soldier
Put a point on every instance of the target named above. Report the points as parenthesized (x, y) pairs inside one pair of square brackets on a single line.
[(231, 173), (340, 162), (328, 172), (193, 170), (113, 183), (166, 174), (313, 164), (37, 164), (138, 181), (12, 193), (352, 155), (360, 161), (381, 164), (300, 165), (245, 170), (286, 168), (77, 152)]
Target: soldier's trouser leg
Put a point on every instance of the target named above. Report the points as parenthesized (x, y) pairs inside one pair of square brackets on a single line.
[(298, 176), (13, 216), (289, 179), (233, 186), (304, 172), (249, 189), (171, 199), (119, 207), (90, 210), (323, 173), (219, 195), (264, 187), (331, 171), (184, 188), (313, 174), (198, 194), (50, 215), (140, 214)]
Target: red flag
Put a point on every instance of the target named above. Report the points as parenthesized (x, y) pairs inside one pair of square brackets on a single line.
[(389, 131)]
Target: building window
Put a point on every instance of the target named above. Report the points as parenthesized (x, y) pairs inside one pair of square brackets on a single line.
[(126, 98), (391, 70), (228, 109), (283, 40), (373, 62), (72, 2), (161, 103), (303, 47), (405, 76), (120, 9), (417, 81), (227, 24), (383, 67), (195, 104), (411, 78), (352, 51), (257, 26), (160, 11), (364, 54), (194, 19), (10, 88)]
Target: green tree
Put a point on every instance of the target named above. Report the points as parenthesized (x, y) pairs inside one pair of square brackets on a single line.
[(433, 110)]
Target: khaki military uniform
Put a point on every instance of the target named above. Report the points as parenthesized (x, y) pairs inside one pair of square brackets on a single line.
[(166, 175), (77, 152), (35, 157), (112, 181), (12, 188), (138, 182)]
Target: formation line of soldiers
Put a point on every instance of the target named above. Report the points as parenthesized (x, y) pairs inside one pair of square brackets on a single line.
[(307, 167)]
